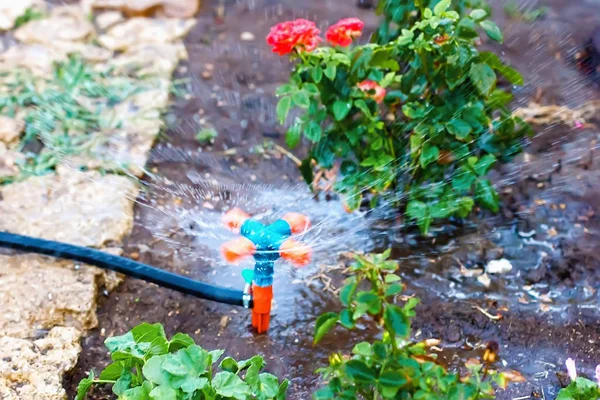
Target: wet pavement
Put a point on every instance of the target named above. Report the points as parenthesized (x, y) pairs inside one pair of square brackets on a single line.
[(548, 228)]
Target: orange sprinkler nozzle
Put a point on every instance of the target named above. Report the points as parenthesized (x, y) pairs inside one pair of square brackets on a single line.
[(295, 252), (235, 250), (234, 219), (298, 222)]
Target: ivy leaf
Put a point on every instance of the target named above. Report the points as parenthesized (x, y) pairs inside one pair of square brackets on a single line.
[(360, 372), (487, 195), (341, 108), (492, 30), (283, 108), (227, 384), (84, 386), (396, 321), (429, 155), (483, 77), (301, 99), (324, 324)]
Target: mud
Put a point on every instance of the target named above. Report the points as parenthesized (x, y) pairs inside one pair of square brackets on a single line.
[(548, 227)]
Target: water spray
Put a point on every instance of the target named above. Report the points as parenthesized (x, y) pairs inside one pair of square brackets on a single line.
[(266, 243)]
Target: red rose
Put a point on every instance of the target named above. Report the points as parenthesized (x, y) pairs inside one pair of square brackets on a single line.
[(300, 34), (342, 33), (368, 86)]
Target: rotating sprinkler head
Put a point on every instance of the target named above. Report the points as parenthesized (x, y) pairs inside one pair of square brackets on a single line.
[(266, 243)]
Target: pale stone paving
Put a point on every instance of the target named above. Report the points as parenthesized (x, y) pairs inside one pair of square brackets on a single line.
[(47, 304)]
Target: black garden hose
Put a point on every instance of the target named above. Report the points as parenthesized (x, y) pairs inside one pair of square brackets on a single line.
[(124, 266)]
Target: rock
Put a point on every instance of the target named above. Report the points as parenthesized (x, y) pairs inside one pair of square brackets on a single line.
[(58, 294), (65, 23), (484, 280), (159, 59), (137, 31), (169, 8), (37, 58), (10, 129), (8, 162), (247, 36), (81, 208), (105, 20), (10, 10), (34, 370), (501, 266)]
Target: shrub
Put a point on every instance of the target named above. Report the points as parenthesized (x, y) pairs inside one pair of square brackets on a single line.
[(580, 388), (419, 120), (398, 14), (394, 367), (147, 366)]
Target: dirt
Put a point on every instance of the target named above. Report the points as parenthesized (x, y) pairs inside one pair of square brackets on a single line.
[(544, 310)]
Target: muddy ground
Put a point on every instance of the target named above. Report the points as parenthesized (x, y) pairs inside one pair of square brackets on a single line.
[(548, 227)]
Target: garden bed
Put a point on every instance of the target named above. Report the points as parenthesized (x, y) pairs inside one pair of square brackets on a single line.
[(540, 313)]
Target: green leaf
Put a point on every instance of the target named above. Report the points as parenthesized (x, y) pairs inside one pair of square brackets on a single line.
[(285, 89), (416, 209), (122, 384), (363, 349), (138, 393), (215, 355), (306, 170), (313, 132), (492, 30), (459, 128), (441, 7), (192, 384), (293, 135), (153, 371), (347, 292), (180, 341), (229, 364), (415, 145), (163, 393), (317, 74), (391, 278), (486, 195), (393, 289), (484, 164), (227, 384), (346, 319), (463, 180), (511, 74), (301, 99), (391, 378), (311, 89), (483, 77), (360, 372), (324, 324), (478, 14), (113, 371), (120, 343), (429, 155), (269, 385), (331, 71), (462, 392), (84, 386), (283, 108), (341, 108), (396, 321), (465, 205), (148, 332), (283, 387)]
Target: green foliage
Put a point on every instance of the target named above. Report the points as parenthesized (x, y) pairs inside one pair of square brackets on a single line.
[(513, 11), (392, 367), (206, 135), (62, 111), (30, 14), (580, 389), (443, 125), (402, 14), (148, 366)]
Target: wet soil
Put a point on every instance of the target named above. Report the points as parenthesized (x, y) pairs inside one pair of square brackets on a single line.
[(547, 306)]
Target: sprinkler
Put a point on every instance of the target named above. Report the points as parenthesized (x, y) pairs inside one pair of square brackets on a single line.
[(266, 243)]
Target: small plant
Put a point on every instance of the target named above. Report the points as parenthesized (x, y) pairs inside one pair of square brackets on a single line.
[(147, 366), (30, 14), (580, 388), (419, 120), (394, 367), (206, 135)]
